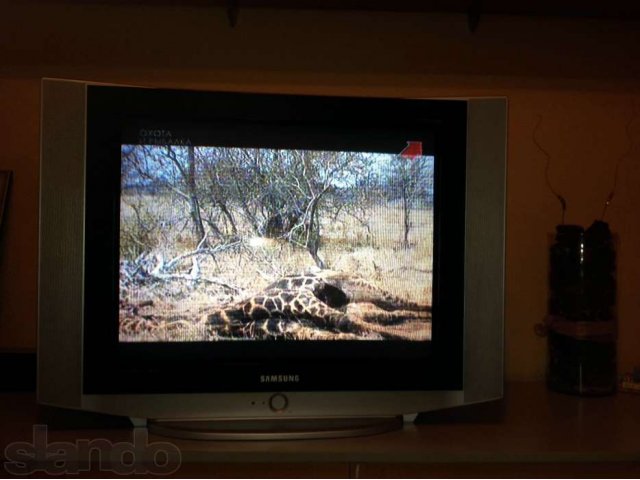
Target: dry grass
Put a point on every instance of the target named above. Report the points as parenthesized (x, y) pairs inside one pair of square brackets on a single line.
[(374, 251), (405, 272)]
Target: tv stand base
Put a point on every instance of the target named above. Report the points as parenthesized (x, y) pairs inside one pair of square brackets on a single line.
[(274, 429)]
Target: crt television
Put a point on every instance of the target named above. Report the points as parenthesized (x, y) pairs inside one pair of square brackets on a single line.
[(276, 264)]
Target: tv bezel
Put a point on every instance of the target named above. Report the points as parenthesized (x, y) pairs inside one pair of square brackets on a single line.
[(117, 115)]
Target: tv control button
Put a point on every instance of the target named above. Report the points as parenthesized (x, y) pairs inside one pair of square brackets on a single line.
[(278, 402)]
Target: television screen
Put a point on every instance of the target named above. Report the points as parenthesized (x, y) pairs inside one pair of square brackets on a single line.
[(223, 243)]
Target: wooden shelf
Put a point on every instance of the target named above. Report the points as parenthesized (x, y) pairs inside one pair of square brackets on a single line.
[(625, 9), (539, 432)]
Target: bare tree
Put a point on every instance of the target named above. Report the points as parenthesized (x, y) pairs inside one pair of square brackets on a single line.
[(238, 192), (408, 182), (187, 169), (166, 168)]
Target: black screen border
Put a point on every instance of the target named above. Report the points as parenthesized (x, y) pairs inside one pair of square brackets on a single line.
[(361, 124)]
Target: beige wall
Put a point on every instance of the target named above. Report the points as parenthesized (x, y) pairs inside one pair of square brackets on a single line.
[(582, 77)]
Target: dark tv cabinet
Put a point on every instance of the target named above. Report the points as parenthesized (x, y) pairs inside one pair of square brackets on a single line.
[(537, 434)]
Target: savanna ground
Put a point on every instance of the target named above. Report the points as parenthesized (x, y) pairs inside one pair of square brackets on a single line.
[(246, 267)]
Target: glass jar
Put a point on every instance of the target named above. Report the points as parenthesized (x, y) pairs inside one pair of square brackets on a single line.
[(581, 321)]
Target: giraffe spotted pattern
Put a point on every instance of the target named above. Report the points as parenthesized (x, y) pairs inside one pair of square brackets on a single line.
[(326, 301)]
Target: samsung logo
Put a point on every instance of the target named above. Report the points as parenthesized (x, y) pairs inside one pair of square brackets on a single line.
[(279, 378)]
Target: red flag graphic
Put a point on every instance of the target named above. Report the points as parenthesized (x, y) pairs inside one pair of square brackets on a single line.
[(412, 150)]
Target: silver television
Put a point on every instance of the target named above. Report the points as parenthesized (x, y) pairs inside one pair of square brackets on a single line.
[(237, 265)]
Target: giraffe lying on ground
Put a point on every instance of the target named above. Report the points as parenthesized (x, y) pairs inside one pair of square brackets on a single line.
[(137, 324), (328, 300)]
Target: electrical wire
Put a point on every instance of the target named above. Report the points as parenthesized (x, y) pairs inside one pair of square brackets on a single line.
[(563, 202), (617, 169)]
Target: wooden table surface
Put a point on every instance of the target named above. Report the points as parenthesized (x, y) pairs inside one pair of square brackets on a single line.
[(536, 427)]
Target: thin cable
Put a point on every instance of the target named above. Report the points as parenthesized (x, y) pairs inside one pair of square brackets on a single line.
[(624, 155), (563, 202)]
